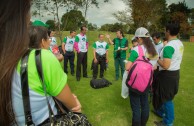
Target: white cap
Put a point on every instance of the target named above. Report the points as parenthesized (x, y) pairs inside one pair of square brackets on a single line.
[(142, 32)]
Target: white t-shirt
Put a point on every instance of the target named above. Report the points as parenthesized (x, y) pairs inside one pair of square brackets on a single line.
[(100, 47), (174, 51)]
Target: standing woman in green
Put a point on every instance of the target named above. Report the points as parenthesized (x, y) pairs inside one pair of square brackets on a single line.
[(120, 46), (14, 42)]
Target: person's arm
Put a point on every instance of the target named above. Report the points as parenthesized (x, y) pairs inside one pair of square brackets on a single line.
[(109, 40), (76, 44), (63, 44), (94, 53), (167, 54), (56, 81), (69, 100), (165, 63), (106, 56), (132, 58), (59, 57), (107, 47)]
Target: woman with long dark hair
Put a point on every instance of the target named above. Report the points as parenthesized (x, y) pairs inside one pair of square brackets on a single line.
[(14, 42), (139, 102)]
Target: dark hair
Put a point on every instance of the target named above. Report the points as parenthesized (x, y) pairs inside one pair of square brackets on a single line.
[(165, 39), (72, 31), (147, 42), (36, 34), (14, 41), (173, 28), (49, 33), (156, 34), (121, 33), (82, 28), (100, 35), (134, 40)]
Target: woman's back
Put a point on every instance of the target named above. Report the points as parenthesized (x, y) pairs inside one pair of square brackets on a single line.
[(55, 80)]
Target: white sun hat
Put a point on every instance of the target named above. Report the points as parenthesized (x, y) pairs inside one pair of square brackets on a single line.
[(142, 32)]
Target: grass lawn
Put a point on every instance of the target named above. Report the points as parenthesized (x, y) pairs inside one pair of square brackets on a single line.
[(106, 107)]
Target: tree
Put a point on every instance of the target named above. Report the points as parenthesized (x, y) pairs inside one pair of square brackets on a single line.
[(143, 13), (180, 13), (88, 3), (72, 20), (51, 24), (53, 7), (114, 27), (92, 27)]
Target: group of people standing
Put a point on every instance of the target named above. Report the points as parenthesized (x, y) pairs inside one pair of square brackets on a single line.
[(166, 58), (18, 37)]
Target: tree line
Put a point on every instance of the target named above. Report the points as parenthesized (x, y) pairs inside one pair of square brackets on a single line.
[(152, 14)]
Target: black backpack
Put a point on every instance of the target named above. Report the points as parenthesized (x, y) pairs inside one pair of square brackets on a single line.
[(99, 83)]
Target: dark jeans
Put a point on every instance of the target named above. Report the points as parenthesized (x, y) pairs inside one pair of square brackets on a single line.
[(69, 56), (102, 63), (81, 60), (119, 62), (140, 108)]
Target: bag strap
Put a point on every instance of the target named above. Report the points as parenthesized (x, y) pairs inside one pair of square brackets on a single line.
[(25, 89), (39, 69), (140, 49), (41, 76)]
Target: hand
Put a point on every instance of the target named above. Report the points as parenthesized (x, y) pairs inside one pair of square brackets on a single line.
[(106, 60), (78, 107), (108, 36), (95, 60)]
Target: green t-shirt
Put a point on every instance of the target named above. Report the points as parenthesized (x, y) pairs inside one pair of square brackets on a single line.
[(54, 77)]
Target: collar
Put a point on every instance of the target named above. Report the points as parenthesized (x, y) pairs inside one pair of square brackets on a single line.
[(159, 43), (173, 39), (82, 34)]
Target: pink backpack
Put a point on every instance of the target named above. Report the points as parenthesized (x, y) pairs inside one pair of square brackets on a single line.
[(141, 74)]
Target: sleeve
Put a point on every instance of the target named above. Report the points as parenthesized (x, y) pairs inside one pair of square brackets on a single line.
[(94, 45), (65, 40), (168, 52), (76, 39), (133, 56), (107, 46), (55, 78), (113, 41), (127, 43), (130, 50)]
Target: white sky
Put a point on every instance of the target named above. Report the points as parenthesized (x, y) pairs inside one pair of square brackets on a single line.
[(104, 14)]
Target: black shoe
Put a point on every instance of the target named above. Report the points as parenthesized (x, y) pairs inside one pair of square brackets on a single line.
[(159, 123), (86, 77), (78, 78)]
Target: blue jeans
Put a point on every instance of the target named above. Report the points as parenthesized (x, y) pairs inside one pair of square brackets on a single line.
[(140, 108)]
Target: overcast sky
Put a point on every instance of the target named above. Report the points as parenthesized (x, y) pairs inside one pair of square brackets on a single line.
[(104, 14)]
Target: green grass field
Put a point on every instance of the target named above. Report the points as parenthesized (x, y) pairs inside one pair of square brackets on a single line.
[(106, 107)]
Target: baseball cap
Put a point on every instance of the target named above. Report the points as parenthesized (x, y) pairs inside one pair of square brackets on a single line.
[(39, 23), (142, 32)]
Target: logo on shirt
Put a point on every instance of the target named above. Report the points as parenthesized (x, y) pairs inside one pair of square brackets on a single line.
[(71, 42), (100, 46), (83, 39)]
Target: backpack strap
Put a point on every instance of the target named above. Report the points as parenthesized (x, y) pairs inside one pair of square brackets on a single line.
[(41, 76), (140, 50), (25, 89)]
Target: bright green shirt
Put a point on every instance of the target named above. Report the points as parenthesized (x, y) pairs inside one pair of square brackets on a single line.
[(54, 77)]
